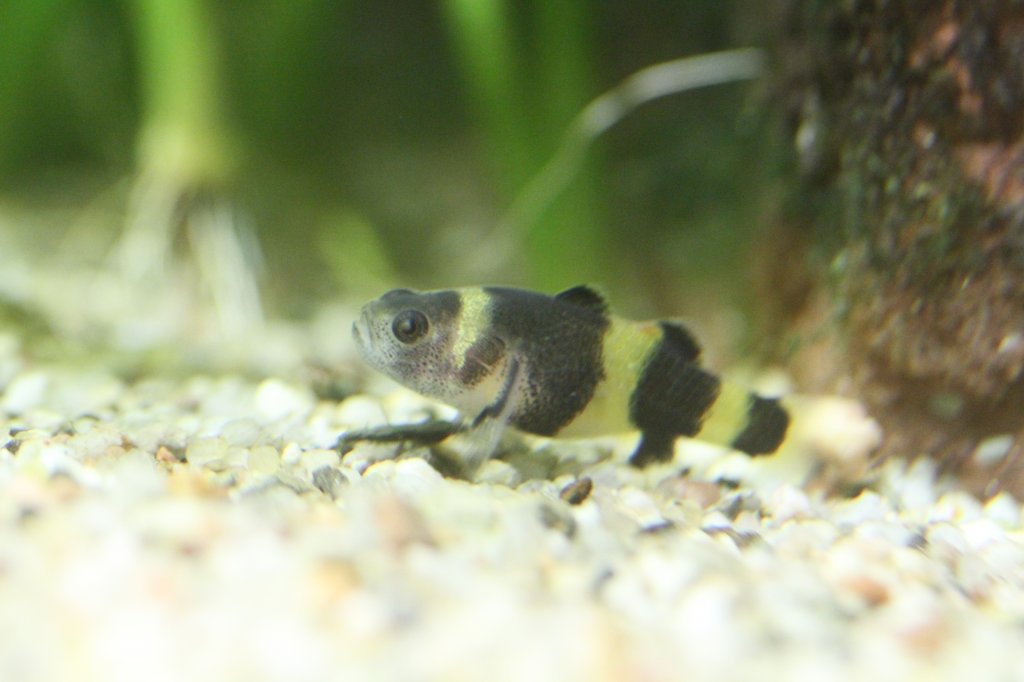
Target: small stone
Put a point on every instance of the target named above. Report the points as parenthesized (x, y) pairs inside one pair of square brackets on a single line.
[(163, 454), (360, 412), (578, 491), (241, 432), (1004, 510), (25, 391), (703, 493), (264, 459), (153, 435), (294, 483), (868, 506), (277, 400), (95, 442), (956, 506), (203, 451), (992, 450), (982, 533), (557, 519), (330, 481), (135, 474), (497, 472), (639, 506), (414, 476), (400, 524), (291, 454), (715, 521), (312, 460), (787, 502), (235, 458)]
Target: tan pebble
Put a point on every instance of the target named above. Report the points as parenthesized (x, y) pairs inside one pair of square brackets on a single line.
[(334, 579), (163, 454), (183, 481), (872, 592), (399, 523), (927, 636)]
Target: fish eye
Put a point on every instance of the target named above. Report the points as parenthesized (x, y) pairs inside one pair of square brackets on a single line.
[(410, 326)]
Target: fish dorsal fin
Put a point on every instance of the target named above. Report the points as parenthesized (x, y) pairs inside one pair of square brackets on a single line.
[(680, 338), (585, 297)]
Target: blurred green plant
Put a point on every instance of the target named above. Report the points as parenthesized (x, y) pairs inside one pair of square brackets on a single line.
[(23, 28), (525, 99), (430, 120), (185, 139)]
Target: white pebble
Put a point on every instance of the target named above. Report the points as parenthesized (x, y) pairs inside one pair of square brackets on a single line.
[(497, 472), (291, 454), (242, 432), (945, 540), (1004, 510), (982, 533), (311, 460), (992, 450), (135, 474), (360, 412), (51, 459), (95, 442), (414, 477), (956, 506), (715, 521), (868, 506), (154, 434), (787, 502), (640, 507), (277, 400), (235, 458), (25, 392)]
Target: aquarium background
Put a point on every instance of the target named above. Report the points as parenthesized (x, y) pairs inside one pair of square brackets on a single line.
[(348, 147)]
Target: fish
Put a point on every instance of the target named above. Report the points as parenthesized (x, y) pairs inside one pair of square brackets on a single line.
[(562, 366)]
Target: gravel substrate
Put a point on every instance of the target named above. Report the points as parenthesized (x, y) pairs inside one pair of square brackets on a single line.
[(205, 528)]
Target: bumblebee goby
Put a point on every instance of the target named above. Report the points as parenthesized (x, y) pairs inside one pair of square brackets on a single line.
[(562, 366)]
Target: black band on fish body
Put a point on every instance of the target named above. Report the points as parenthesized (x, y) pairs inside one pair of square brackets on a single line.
[(672, 395), (654, 446), (562, 344), (767, 423)]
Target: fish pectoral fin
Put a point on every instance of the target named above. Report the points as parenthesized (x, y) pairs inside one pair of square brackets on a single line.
[(481, 442), (653, 447), (504, 403), (487, 427)]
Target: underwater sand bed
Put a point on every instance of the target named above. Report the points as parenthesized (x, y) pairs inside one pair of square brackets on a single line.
[(207, 529)]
